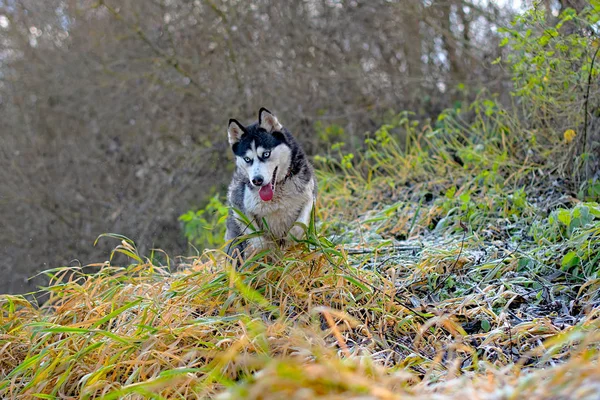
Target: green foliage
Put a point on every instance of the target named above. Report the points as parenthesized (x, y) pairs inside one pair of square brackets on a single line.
[(576, 232), (483, 205), (566, 223), (328, 133), (550, 67), (545, 62), (205, 228), (590, 192)]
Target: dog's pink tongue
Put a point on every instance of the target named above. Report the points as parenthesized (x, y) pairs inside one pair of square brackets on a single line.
[(266, 192)]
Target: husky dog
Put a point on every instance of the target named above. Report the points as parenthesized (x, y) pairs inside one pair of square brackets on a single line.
[(273, 183)]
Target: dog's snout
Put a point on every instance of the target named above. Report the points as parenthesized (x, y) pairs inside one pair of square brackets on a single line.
[(257, 180)]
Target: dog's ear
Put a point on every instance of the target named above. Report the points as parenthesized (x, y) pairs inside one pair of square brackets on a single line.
[(235, 130), (268, 121)]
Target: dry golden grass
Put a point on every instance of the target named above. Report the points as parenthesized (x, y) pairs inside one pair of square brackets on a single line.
[(309, 325)]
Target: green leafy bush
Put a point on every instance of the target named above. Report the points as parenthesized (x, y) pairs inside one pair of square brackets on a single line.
[(575, 234), (553, 68), (205, 228)]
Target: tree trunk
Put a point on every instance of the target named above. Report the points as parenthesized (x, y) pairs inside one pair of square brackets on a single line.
[(450, 43), (413, 48)]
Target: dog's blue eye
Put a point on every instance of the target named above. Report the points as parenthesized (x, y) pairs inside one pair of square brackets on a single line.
[(247, 159), (266, 154)]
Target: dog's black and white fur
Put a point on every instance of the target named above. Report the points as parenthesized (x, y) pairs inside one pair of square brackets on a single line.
[(273, 182)]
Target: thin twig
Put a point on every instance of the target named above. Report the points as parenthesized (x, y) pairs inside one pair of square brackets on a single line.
[(388, 249), (587, 100)]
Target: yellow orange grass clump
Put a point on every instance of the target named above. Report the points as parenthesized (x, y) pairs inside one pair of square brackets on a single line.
[(301, 327)]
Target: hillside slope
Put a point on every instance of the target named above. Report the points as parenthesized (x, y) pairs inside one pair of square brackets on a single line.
[(453, 264)]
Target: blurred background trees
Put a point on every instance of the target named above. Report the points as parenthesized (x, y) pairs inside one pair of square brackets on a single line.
[(113, 113)]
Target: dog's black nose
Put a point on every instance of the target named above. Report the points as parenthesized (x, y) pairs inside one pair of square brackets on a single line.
[(257, 180)]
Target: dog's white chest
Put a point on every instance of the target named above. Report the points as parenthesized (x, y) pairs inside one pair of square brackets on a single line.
[(282, 211)]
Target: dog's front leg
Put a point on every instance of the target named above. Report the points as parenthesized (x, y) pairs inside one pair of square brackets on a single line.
[(297, 230)]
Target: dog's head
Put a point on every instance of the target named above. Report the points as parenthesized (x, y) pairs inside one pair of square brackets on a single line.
[(261, 151)]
